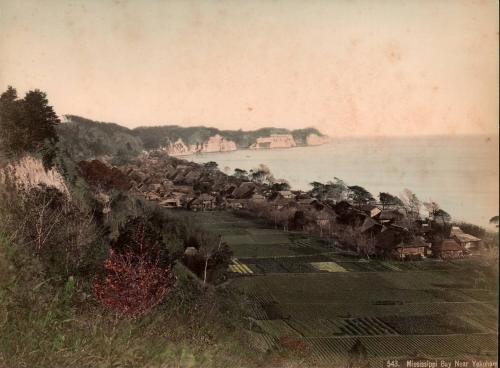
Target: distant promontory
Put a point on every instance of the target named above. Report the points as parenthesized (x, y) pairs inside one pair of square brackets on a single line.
[(92, 138)]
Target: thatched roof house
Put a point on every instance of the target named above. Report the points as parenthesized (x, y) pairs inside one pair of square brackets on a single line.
[(467, 241), (447, 248)]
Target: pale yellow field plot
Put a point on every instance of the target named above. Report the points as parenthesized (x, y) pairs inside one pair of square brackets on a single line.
[(238, 267), (328, 266), (391, 266)]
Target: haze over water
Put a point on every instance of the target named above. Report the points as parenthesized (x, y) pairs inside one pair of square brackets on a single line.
[(459, 173)]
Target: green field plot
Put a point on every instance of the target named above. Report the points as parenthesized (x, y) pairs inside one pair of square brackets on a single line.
[(435, 265), (261, 341), (301, 264), (480, 295), (437, 280), (228, 231), (355, 266), (341, 327), (487, 322), (408, 266), (263, 231), (320, 327), (261, 297), (271, 238), (393, 266), (310, 243), (303, 250), (307, 311), (251, 250), (303, 242), (425, 325), (269, 265), (377, 266), (369, 266), (256, 311), (238, 239), (277, 328), (448, 295), (351, 288), (366, 326), (423, 309), (454, 346), (291, 264)]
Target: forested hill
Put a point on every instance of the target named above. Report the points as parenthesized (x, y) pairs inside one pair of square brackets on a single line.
[(83, 139), (86, 138), (154, 137)]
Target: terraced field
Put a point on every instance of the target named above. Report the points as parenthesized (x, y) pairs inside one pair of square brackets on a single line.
[(302, 288)]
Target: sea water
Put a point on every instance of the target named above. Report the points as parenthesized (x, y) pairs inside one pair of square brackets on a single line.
[(459, 173)]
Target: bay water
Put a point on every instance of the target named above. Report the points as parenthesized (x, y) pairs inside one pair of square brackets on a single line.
[(460, 173)]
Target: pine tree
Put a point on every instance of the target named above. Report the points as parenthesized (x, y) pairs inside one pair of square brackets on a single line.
[(28, 125)]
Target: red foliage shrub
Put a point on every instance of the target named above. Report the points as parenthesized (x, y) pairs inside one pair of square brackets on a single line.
[(293, 346), (98, 174), (133, 284)]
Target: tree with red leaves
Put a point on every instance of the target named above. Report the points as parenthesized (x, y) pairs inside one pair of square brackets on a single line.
[(100, 175), (138, 275), (133, 284)]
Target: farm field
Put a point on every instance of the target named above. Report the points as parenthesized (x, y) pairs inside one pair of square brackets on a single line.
[(302, 288)]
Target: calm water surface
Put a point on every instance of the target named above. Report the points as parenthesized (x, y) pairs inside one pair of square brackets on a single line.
[(459, 173)]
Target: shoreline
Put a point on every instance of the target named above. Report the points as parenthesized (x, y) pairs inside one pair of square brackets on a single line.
[(246, 149)]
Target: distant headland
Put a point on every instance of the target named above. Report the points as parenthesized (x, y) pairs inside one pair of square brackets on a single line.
[(111, 139)]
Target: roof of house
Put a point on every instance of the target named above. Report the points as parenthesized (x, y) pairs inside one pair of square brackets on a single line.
[(462, 237), (390, 215), (370, 208), (342, 207), (466, 238), (237, 200), (389, 236), (245, 190), (193, 176), (307, 200), (228, 188), (368, 224), (448, 245), (416, 242), (169, 200), (325, 215), (206, 197), (285, 202)]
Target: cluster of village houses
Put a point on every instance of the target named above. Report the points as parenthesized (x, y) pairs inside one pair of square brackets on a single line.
[(175, 183)]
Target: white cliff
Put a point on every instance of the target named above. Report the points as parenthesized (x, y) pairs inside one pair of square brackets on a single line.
[(29, 172), (316, 140), (178, 148), (274, 141), (218, 143)]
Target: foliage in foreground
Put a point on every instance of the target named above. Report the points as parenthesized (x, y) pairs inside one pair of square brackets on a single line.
[(52, 247), (45, 325), (133, 284), (60, 233)]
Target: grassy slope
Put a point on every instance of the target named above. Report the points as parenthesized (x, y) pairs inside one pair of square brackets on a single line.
[(51, 323)]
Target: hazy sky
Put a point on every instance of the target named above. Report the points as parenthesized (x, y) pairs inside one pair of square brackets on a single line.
[(346, 67)]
